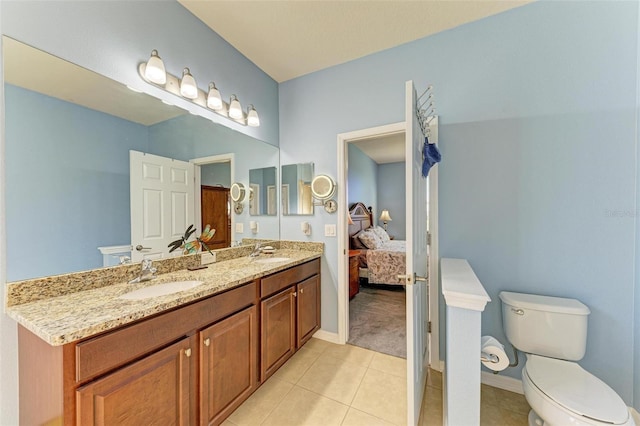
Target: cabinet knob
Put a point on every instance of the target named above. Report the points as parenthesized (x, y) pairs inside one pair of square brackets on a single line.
[(295, 294), (301, 290), (187, 352), (207, 341)]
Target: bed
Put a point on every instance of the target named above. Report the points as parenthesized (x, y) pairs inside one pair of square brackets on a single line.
[(381, 259)]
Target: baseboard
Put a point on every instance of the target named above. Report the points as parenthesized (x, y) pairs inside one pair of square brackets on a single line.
[(635, 415), (502, 382), (327, 335)]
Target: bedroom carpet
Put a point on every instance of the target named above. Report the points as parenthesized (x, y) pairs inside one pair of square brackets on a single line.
[(377, 320)]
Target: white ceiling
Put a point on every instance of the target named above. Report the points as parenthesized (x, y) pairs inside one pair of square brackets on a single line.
[(383, 149), (287, 39)]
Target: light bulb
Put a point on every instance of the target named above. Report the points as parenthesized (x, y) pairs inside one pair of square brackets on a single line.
[(214, 101), (154, 71), (252, 117), (235, 109), (188, 87)]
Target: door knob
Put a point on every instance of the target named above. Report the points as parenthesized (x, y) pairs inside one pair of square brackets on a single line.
[(140, 248)]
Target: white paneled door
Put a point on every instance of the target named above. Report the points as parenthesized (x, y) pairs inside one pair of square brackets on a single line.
[(416, 223), (162, 203)]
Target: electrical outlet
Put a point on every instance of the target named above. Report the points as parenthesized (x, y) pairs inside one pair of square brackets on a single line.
[(239, 228), (330, 230)]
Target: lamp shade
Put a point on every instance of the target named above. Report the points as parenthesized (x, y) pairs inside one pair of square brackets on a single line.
[(214, 101), (252, 117), (154, 70), (384, 216), (188, 86), (235, 109)]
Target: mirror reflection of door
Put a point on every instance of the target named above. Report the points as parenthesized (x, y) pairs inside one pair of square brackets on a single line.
[(216, 212), (284, 194), (254, 200), (271, 200), (305, 198)]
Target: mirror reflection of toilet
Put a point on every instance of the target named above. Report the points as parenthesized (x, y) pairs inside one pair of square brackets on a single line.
[(552, 331)]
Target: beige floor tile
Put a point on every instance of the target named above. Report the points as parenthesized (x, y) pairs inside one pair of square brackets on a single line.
[(350, 353), (318, 345), (383, 395), (295, 367), (228, 423), (512, 418), (255, 409), (434, 378), (358, 418), (305, 408), (334, 378), (431, 407), (488, 395), (389, 364), (512, 401)]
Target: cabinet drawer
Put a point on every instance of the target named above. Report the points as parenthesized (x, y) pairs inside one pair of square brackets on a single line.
[(103, 353), (276, 282)]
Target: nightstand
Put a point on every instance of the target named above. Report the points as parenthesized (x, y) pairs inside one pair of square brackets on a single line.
[(354, 275)]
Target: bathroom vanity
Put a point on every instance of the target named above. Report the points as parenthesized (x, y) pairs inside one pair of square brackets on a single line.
[(193, 361)]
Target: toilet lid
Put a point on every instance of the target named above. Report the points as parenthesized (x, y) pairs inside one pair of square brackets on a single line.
[(576, 389)]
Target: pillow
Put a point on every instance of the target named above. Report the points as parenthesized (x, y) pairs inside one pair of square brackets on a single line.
[(356, 244), (370, 239), (381, 233)]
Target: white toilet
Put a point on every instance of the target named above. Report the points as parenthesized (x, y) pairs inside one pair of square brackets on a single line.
[(552, 331)]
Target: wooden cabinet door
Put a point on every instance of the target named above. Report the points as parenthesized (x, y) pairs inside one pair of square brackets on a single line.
[(216, 212), (228, 365), (278, 331), (155, 390), (308, 309)]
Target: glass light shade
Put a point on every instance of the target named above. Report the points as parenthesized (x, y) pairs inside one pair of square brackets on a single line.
[(235, 109), (188, 87), (384, 216), (214, 101), (154, 71), (252, 117)]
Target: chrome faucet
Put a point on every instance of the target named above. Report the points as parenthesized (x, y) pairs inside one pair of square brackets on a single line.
[(146, 273), (256, 251)]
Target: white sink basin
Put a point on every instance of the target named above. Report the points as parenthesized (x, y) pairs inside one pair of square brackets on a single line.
[(160, 290), (271, 259)]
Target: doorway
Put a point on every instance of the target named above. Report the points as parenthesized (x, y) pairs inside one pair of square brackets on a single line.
[(343, 238)]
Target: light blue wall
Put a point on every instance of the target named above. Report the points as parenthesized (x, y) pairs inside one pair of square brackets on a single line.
[(113, 37), (216, 174), (537, 109), (391, 196), (87, 154), (362, 178)]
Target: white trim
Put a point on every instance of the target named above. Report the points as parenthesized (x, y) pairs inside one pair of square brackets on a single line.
[(114, 249), (502, 382), (635, 415), (328, 336), (461, 287), (212, 159)]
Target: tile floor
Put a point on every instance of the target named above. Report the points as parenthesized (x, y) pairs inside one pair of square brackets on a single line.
[(327, 384)]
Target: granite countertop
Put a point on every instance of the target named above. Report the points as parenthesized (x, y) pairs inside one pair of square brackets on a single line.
[(68, 318)]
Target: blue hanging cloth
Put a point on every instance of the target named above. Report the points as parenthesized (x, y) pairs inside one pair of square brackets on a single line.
[(430, 156)]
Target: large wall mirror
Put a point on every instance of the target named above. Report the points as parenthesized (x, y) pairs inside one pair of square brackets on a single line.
[(68, 136), (296, 189), (263, 185)]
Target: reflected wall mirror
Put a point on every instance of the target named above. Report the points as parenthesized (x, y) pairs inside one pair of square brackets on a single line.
[(263, 187), (296, 189), (68, 135)]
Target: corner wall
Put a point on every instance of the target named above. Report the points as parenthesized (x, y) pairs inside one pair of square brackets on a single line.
[(537, 111)]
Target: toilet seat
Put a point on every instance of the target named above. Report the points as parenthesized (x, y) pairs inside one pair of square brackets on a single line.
[(576, 390)]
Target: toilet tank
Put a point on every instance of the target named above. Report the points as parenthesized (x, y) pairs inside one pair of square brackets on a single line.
[(543, 325)]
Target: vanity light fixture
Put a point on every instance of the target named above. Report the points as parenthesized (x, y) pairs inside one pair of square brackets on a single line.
[(252, 117), (214, 100), (154, 71), (188, 86), (235, 109)]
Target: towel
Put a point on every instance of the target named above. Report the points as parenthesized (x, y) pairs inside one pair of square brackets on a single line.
[(430, 156)]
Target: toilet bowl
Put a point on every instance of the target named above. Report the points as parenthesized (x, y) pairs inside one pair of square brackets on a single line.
[(552, 331), (563, 393)]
